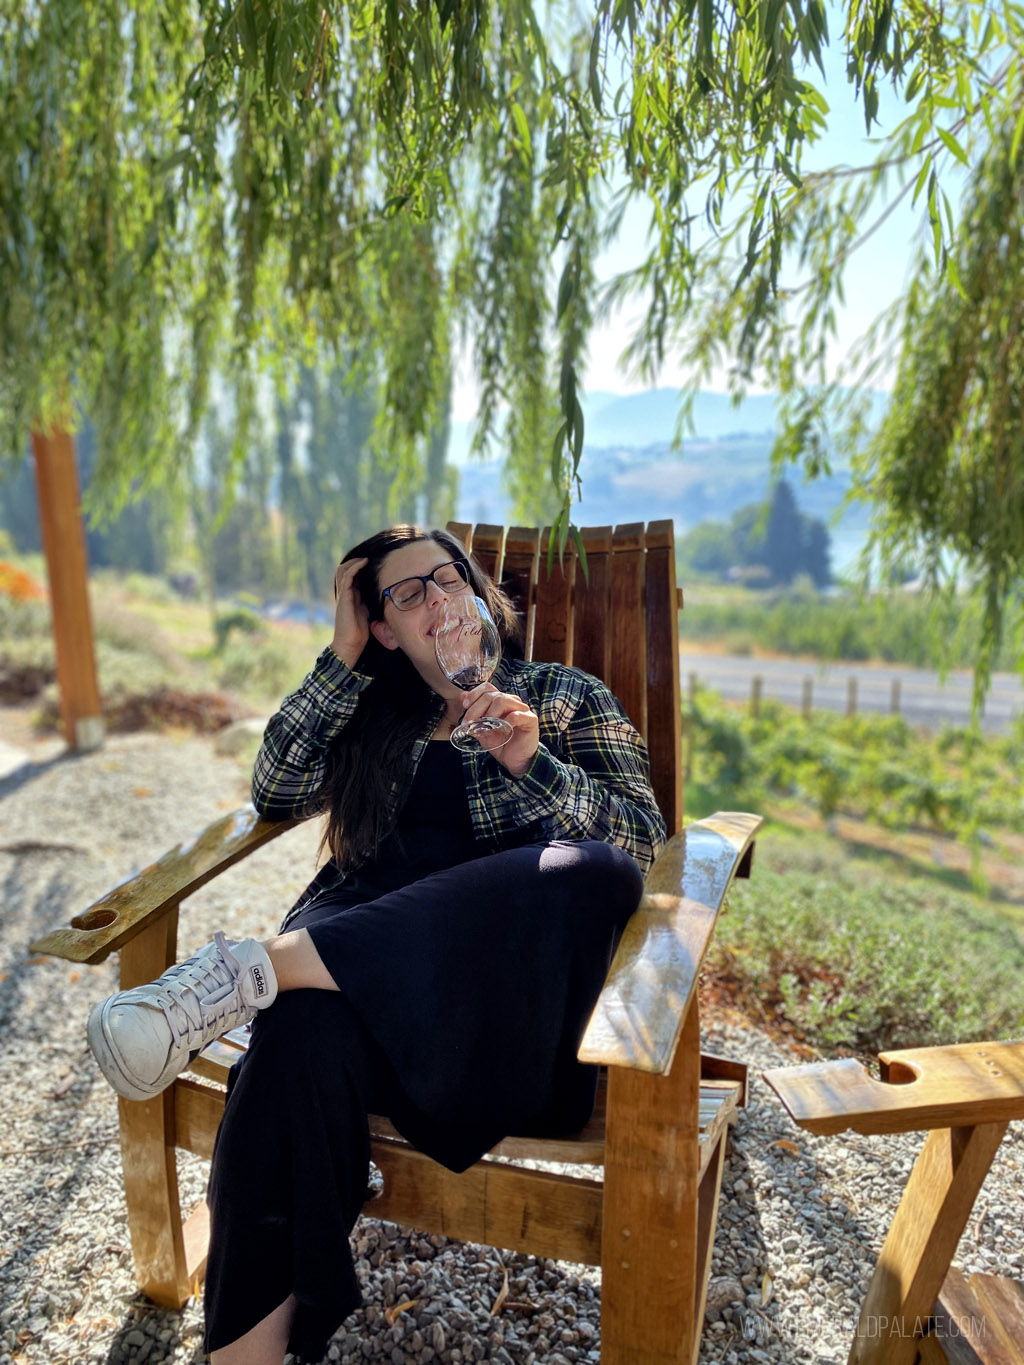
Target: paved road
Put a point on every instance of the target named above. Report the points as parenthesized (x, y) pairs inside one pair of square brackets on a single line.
[(923, 697)]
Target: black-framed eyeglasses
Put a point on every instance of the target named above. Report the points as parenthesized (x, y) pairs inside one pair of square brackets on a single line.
[(410, 592)]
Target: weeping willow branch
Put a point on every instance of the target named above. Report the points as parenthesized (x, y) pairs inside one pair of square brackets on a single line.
[(239, 188)]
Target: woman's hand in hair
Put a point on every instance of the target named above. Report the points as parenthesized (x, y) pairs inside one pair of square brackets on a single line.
[(351, 618), (517, 754)]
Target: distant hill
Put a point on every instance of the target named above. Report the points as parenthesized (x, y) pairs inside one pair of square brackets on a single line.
[(638, 420), (642, 419), (631, 473)]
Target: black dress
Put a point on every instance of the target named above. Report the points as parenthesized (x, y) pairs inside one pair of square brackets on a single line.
[(465, 980)]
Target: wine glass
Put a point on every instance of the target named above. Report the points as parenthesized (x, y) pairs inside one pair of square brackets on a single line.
[(468, 649)]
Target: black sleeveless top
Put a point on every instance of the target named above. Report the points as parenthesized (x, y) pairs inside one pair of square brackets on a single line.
[(433, 831)]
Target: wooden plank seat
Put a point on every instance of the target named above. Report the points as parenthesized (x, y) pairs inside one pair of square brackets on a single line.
[(658, 1137), (977, 1321), (718, 1105), (200, 1107), (964, 1096)]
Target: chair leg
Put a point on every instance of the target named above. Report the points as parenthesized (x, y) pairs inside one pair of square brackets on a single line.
[(147, 1147), (920, 1244), (151, 1194), (707, 1221), (649, 1240)]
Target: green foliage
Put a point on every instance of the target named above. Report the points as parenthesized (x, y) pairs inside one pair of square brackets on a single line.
[(708, 550), (259, 667), (892, 627), (774, 536), (234, 189), (132, 658), (27, 658), (864, 958), (141, 671), (241, 619), (22, 619), (149, 588), (27, 665), (877, 767), (790, 543), (129, 669), (947, 464)]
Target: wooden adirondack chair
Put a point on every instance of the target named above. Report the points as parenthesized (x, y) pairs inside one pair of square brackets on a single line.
[(661, 1125), (920, 1308)]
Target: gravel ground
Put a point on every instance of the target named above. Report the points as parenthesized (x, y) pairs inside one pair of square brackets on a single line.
[(801, 1221)]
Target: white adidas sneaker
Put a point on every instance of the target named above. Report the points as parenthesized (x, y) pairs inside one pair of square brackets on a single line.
[(144, 1037)]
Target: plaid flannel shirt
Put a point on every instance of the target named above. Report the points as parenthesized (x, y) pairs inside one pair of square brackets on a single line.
[(590, 777)]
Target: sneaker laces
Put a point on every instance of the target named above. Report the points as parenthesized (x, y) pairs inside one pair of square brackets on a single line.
[(197, 996)]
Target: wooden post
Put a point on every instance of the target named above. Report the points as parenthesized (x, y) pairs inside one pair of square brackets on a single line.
[(894, 698), (691, 687), (64, 545), (808, 695), (851, 697), (756, 684)]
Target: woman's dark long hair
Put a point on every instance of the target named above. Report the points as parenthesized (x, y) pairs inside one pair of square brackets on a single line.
[(373, 753)]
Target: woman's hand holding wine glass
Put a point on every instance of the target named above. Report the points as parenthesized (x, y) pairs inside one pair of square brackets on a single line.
[(515, 753), (468, 649)]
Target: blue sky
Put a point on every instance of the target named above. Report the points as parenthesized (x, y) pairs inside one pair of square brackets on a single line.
[(875, 274)]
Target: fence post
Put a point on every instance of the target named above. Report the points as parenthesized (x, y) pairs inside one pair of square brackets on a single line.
[(691, 687), (851, 697), (806, 702), (756, 683), (894, 699)]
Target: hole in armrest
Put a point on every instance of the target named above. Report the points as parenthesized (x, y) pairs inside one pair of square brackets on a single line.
[(94, 919), (897, 1073)]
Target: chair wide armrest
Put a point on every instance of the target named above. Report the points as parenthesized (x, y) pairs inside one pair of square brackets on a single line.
[(922, 1088), (145, 896), (639, 1014)]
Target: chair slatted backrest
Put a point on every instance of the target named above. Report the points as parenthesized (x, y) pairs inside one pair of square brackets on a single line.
[(619, 622)]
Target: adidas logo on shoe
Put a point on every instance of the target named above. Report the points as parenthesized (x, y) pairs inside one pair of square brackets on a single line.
[(259, 981)]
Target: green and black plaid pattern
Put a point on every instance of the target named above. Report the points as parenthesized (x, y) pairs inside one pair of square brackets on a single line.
[(590, 778)]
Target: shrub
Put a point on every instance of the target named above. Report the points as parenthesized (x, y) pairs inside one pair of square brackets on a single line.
[(27, 665), (118, 630), (149, 588), (260, 667), (895, 627), (872, 766), (16, 584), (241, 619), (26, 641), (23, 619), (860, 958)]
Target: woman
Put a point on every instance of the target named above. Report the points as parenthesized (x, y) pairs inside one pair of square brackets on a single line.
[(441, 967)]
